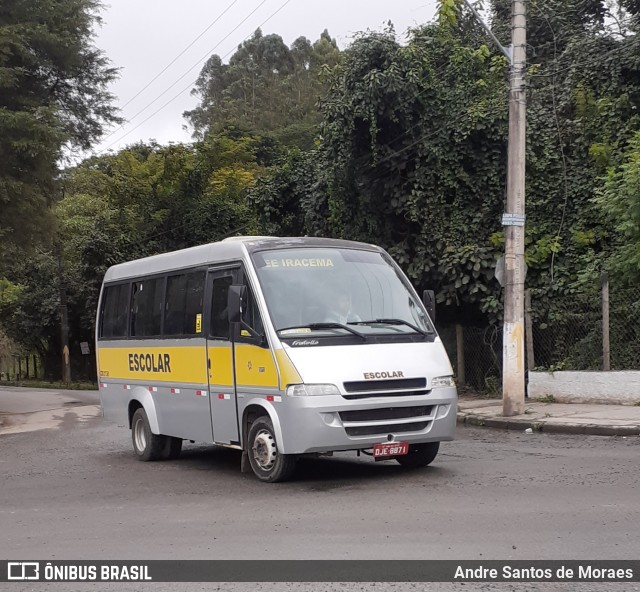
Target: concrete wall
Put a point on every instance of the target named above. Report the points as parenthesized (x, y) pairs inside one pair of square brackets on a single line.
[(620, 388)]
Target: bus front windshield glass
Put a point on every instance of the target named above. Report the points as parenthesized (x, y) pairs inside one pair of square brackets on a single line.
[(337, 292)]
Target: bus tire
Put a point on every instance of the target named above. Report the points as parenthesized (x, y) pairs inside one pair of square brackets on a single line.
[(420, 455), (146, 445), (172, 448), (265, 460)]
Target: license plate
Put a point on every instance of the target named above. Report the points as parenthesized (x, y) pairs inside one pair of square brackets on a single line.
[(388, 449)]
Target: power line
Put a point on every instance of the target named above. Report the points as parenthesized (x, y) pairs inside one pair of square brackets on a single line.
[(204, 57), (173, 61), (191, 83), (385, 159)]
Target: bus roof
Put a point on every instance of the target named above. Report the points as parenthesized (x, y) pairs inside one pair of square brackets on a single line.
[(230, 249)]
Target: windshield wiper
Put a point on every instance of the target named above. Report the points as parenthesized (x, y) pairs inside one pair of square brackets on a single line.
[(390, 322), (320, 326)]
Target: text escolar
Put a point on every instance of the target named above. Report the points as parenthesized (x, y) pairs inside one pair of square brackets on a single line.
[(149, 363)]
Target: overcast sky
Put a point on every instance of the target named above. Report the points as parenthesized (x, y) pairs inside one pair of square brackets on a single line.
[(143, 36)]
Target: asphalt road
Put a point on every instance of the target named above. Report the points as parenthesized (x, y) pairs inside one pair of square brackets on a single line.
[(75, 491)]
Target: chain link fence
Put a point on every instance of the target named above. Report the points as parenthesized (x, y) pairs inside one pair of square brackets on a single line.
[(624, 329), (595, 327), (476, 356)]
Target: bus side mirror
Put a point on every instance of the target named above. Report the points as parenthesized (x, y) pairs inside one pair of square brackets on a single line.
[(429, 300), (236, 301)]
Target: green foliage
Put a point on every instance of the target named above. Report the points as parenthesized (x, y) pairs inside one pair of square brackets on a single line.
[(53, 92), (29, 305), (619, 201), (265, 87), (402, 145), (411, 156), (448, 11), (144, 200)]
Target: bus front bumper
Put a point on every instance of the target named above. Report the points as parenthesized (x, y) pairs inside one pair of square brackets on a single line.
[(332, 423)]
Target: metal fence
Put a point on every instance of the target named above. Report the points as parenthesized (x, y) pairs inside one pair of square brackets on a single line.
[(597, 328), (594, 327), (20, 367), (476, 356)]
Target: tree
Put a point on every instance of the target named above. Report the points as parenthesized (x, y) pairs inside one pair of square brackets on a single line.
[(412, 157), (619, 200), (266, 87), (144, 200), (53, 93)]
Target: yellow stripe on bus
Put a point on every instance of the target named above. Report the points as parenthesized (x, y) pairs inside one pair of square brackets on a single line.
[(255, 366), (155, 364), (221, 372), (288, 372)]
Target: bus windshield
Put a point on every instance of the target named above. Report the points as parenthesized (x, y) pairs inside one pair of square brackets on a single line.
[(337, 291)]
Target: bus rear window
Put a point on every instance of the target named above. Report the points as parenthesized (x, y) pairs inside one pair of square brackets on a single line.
[(115, 311)]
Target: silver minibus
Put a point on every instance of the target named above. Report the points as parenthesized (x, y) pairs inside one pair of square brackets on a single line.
[(278, 347)]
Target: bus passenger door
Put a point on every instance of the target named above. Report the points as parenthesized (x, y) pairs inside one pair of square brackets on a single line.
[(222, 391), (256, 375)]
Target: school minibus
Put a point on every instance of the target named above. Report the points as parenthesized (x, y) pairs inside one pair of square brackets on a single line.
[(278, 347)]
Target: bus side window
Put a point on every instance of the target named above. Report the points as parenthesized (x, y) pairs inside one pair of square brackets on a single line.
[(251, 314), (219, 325), (146, 307), (193, 305), (175, 304), (183, 304)]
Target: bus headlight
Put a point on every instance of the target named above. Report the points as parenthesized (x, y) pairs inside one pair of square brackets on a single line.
[(312, 390), (441, 381)]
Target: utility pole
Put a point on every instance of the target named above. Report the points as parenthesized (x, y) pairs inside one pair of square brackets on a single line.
[(513, 220), (513, 370)]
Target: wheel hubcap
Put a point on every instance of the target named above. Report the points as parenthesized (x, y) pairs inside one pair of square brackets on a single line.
[(139, 435), (264, 450)]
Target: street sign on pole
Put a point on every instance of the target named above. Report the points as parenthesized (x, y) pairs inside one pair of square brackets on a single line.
[(513, 219)]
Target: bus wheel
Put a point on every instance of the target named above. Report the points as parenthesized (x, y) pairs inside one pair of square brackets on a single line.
[(420, 455), (146, 445), (267, 463), (172, 447)]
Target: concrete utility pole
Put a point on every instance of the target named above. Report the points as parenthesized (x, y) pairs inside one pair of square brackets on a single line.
[(513, 371), (513, 387)]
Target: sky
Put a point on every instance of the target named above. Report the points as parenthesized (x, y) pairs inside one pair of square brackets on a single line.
[(143, 37)]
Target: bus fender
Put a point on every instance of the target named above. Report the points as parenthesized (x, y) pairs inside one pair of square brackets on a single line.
[(143, 396), (273, 416)]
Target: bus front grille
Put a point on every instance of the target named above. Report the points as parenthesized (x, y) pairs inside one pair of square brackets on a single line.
[(389, 420), (360, 386), (391, 428), (351, 397)]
